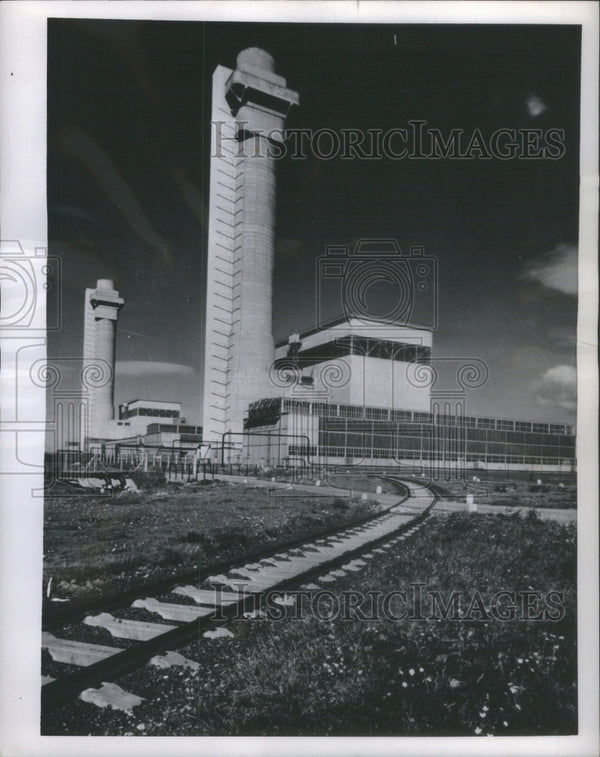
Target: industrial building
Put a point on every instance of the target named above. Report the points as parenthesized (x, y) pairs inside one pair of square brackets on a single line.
[(139, 422), (290, 432), (354, 391), (350, 392)]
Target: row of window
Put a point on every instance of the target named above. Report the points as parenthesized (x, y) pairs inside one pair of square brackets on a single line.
[(350, 440), (356, 345), (435, 432), (365, 452), (302, 449), (325, 409), (149, 411), (156, 428)]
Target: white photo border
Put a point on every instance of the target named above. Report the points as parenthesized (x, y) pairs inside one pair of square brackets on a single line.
[(23, 47)]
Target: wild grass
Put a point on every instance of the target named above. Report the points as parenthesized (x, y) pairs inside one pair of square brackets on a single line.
[(101, 544), (418, 677)]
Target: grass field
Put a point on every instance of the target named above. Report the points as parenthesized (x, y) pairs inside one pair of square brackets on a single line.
[(95, 545), (522, 490), (320, 675), (514, 493)]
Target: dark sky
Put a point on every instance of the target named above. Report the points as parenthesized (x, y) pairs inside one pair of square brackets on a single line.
[(128, 168)]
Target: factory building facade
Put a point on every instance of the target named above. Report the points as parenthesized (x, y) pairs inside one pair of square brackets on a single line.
[(300, 433)]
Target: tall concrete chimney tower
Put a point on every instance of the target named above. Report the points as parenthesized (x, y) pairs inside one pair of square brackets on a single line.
[(102, 306), (249, 107)]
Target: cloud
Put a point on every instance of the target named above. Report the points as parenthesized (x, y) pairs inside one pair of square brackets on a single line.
[(557, 388), (535, 105), (557, 270), (190, 194), (137, 368)]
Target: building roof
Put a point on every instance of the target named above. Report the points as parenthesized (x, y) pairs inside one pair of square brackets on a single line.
[(351, 323)]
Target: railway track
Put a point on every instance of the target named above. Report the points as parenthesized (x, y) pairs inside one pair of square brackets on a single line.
[(153, 622)]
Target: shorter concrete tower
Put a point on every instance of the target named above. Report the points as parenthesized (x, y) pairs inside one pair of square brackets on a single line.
[(102, 306)]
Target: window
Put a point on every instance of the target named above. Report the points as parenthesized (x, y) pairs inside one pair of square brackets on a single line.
[(522, 426), (297, 406), (351, 411), (401, 415), (446, 420), (332, 439), (360, 345), (358, 451), (376, 413), (423, 417), (302, 449), (505, 425), (383, 442), (476, 435), (324, 409)]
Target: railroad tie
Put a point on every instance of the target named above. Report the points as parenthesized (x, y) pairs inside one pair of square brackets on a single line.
[(173, 659), (243, 572), (326, 579), (172, 611), (317, 548), (218, 633), (231, 581), (75, 652), (111, 695), (127, 629), (209, 597)]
